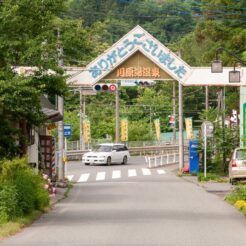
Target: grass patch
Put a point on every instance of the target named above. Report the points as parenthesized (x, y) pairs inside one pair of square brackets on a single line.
[(238, 198), (70, 186), (12, 227), (212, 177)]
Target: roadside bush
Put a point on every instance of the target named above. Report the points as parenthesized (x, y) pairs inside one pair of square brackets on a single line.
[(8, 202), (23, 190), (238, 194), (238, 198), (9, 169)]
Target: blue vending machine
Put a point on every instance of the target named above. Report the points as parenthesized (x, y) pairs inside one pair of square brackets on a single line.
[(193, 156)]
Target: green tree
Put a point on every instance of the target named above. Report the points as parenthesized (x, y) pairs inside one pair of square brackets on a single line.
[(27, 38)]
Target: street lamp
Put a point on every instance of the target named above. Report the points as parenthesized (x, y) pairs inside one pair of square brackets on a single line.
[(234, 76), (217, 67)]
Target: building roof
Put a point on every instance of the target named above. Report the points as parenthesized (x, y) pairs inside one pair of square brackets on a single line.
[(49, 110)]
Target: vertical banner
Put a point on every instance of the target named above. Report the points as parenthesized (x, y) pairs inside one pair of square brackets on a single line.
[(86, 131), (157, 129), (188, 124), (124, 130), (244, 125)]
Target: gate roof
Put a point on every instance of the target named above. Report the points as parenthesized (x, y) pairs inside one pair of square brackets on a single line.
[(139, 40)]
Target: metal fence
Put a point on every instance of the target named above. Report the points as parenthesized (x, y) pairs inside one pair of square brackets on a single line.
[(74, 145), (162, 160)]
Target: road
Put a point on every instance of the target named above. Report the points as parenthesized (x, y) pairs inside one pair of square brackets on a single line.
[(117, 207)]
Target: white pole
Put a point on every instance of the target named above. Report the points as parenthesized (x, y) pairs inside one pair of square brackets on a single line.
[(81, 119), (117, 113), (65, 154), (181, 137), (60, 123), (205, 150)]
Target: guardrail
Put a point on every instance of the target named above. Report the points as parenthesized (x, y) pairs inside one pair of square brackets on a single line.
[(162, 160), (147, 150)]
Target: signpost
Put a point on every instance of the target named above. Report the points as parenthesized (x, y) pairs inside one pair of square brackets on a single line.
[(207, 131), (67, 130), (67, 133)]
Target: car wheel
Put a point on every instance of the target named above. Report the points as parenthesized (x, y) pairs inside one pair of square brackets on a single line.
[(124, 160), (87, 164), (232, 181), (109, 161)]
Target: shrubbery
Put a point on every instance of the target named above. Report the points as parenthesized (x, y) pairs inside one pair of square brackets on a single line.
[(238, 198), (21, 191)]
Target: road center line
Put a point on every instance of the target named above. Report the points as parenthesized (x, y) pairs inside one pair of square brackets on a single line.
[(83, 177), (116, 174), (100, 175)]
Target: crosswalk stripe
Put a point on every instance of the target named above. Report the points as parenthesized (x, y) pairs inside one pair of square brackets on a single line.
[(83, 177), (132, 173), (70, 177), (100, 175), (116, 174), (160, 171), (146, 171)]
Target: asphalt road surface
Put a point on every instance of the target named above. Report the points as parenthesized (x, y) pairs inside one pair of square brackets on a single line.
[(132, 205)]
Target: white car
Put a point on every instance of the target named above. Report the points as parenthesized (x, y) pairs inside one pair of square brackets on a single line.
[(107, 154)]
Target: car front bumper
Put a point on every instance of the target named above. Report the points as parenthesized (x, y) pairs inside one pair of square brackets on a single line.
[(89, 160)]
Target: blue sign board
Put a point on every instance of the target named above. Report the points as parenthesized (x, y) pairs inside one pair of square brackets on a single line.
[(193, 156), (67, 130)]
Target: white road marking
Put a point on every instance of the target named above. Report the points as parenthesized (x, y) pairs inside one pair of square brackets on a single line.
[(116, 174), (160, 171), (70, 177), (83, 177), (146, 171), (132, 173), (100, 175)]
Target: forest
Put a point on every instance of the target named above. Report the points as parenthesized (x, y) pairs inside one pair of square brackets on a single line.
[(194, 28)]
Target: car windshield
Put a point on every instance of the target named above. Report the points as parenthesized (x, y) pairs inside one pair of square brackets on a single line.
[(103, 148), (241, 154)]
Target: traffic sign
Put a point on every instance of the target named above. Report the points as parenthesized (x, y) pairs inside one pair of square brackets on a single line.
[(128, 82), (207, 129), (67, 130)]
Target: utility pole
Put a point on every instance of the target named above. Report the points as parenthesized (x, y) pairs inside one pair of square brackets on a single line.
[(150, 121), (81, 118), (181, 136), (60, 123), (206, 98), (117, 113), (174, 113)]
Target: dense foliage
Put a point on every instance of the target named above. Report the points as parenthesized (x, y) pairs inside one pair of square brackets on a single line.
[(21, 191), (195, 28), (87, 27)]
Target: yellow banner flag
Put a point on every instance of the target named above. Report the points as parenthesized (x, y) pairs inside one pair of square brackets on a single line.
[(124, 130), (157, 129), (189, 130), (86, 131)]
